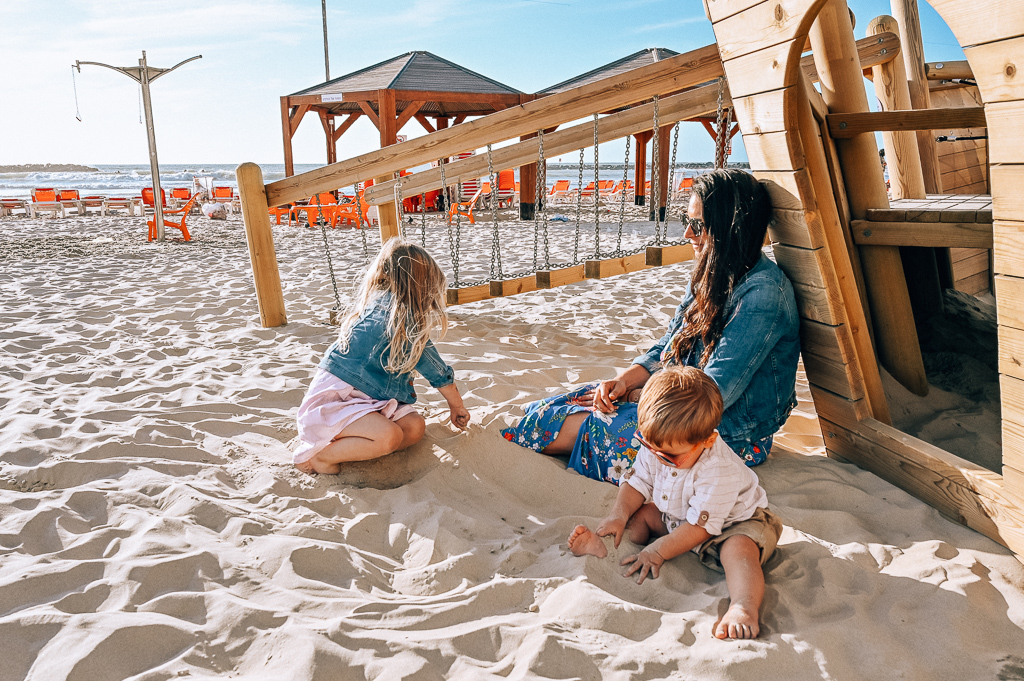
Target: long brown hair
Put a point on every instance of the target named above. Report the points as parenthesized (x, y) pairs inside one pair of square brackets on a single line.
[(417, 287), (736, 214)]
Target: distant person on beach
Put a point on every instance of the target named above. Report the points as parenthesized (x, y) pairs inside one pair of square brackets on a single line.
[(359, 404), (737, 321), (687, 491)]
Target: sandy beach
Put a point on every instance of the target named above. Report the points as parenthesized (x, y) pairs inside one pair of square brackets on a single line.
[(152, 527)]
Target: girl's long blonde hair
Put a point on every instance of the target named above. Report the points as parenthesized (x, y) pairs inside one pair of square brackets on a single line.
[(417, 287)]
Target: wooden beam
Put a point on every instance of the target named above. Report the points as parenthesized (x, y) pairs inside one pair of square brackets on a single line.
[(407, 114), (637, 85), (511, 287), (847, 125), (387, 212), (422, 120), (468, 294), (614, 126), (598, 269), (295, 117), (658, 256), (286, 134), (560, 277), (873, 50), (349, 120), (928, 234), (948, 70), (372, 115), (260, 239)]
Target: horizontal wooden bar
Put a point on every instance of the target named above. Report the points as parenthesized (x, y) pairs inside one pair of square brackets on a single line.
[(510, 287), (613, 126), (931, 234), (598, 269), (948, 70), (873, 51), (468, 294), (658, 256), (663, 77), (560, 277), (852, 124)]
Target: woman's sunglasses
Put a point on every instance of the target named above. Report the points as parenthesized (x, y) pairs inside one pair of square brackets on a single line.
[(696, 225), (670, 459)]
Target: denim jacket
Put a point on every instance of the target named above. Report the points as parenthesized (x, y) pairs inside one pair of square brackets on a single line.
[(362, 366), (754, 362)]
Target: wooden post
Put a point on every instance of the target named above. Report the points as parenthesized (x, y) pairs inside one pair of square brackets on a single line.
[(256, 216), (528, 198), (905, 176), (664, 153), (906, 15), (387, 212), (286, 132), (640, 173), (835, 55)]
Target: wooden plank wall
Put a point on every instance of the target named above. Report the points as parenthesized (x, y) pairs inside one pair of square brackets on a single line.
[(963, 165)]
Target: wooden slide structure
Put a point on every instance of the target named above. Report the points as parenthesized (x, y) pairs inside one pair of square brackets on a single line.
[(847, 250)]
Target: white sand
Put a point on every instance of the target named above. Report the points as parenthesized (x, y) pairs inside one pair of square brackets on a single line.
[(151, 528)]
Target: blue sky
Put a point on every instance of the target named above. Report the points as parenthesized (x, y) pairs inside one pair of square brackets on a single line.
[(224, 108)]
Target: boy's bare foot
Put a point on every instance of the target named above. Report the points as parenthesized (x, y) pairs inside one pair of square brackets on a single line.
[(583, 542), (737, 622), (314, 467)]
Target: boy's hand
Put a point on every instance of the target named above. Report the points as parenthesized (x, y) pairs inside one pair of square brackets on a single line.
[(648, 562), (459, 416), (612, 526)]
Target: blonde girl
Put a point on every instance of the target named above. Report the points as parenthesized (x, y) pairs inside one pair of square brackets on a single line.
[(359, 405)]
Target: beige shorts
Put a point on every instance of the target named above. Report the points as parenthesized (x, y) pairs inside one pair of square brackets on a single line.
[(764, 528)]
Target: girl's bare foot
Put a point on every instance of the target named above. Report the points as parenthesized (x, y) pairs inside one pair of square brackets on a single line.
[(314, 467), (583, 542), (737, 622)]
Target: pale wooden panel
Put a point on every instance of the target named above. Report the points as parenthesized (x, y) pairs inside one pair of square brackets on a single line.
[(1011, 352), (760, 26), (958, 254), (1005, 124), (761, 71), (596, 269), (469, 294), (975, 284), (796, 228), (827, 340), (717, 10), (974, 23), (837, 409), (1013, 485), (774, 151), (841, 379), (1008, 256), (800, 264), (765, 112), (784, 187), (817, 304), (560, 277), (1007, 197), (932, 234), (1012, 398), (996, 67), (510, 287), (971, 266), (1010, 301)]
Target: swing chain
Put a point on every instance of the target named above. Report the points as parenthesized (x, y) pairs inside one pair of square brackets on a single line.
[(622, 200), (579, 208), (597, 194), (423, 219), (672, 176), (362, 225), (330, 265), (719, 146), (400, 208), (495, 271), (540, 203), (453, 244), (655, 175)]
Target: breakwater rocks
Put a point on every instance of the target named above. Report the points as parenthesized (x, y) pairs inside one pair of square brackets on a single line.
[(48, 168)]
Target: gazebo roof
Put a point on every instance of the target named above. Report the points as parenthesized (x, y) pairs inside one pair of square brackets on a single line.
[(447, 88), (633, 61)]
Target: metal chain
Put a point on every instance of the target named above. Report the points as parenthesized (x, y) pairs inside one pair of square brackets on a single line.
[(597, 196), (423, 219), (656, 175), (453, 244), (362, 225), (672, 176), (495, 270), (539, 203), (622, 199), (579, 208), (400, 208), (719, 149), (330, 265)]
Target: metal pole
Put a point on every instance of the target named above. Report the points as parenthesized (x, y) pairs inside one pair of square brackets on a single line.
[(327, 61), (154, 165)]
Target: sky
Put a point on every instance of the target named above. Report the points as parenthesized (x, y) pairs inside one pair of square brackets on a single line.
[(225, 107)]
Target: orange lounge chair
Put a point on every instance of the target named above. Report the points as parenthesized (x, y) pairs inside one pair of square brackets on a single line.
[(183, 211), (588, 190), (44, 200), (278, 211), (180, 196), (96, 204), (328, 205), (559, 190), (350, 210), (225, 195), (8, 206), (120, 203), (466, 208), (148, 199), (605, 187), (507, 189), (71, 200)]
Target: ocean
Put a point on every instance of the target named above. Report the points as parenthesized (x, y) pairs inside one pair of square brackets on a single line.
[(129, 180)]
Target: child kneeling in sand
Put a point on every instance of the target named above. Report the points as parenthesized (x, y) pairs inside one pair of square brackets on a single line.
[(688, 491), (359, 404)]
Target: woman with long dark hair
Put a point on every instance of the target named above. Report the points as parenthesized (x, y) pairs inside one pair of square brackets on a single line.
[(738, 322)]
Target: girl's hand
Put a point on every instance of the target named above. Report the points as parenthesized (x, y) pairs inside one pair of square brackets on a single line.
[(459, 417), (612, 526), (609, 392), (648, 562)]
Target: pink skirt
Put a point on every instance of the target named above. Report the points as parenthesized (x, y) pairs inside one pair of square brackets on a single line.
[(330, 406)]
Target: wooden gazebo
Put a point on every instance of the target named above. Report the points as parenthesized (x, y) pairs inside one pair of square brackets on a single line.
[(416, 85)]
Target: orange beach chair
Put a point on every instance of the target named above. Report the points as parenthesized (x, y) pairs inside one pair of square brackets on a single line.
[(44, 200), (180, 225)]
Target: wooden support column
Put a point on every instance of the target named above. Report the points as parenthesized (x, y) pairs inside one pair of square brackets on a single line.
[(664, 152), (640, 173), (327, 121), (906, 14), (286, 132), (835, 55), (528, 187), (387, 212), (905, 176), (258, 235)]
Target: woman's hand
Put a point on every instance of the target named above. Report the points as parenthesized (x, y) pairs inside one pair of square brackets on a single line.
[(608, 393), (648, 562), (612, 526)]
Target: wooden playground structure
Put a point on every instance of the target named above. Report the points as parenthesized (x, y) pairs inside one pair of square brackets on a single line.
[(849, 251)]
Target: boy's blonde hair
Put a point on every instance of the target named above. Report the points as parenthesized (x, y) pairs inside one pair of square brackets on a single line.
[(679, 404), (417, 287)]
